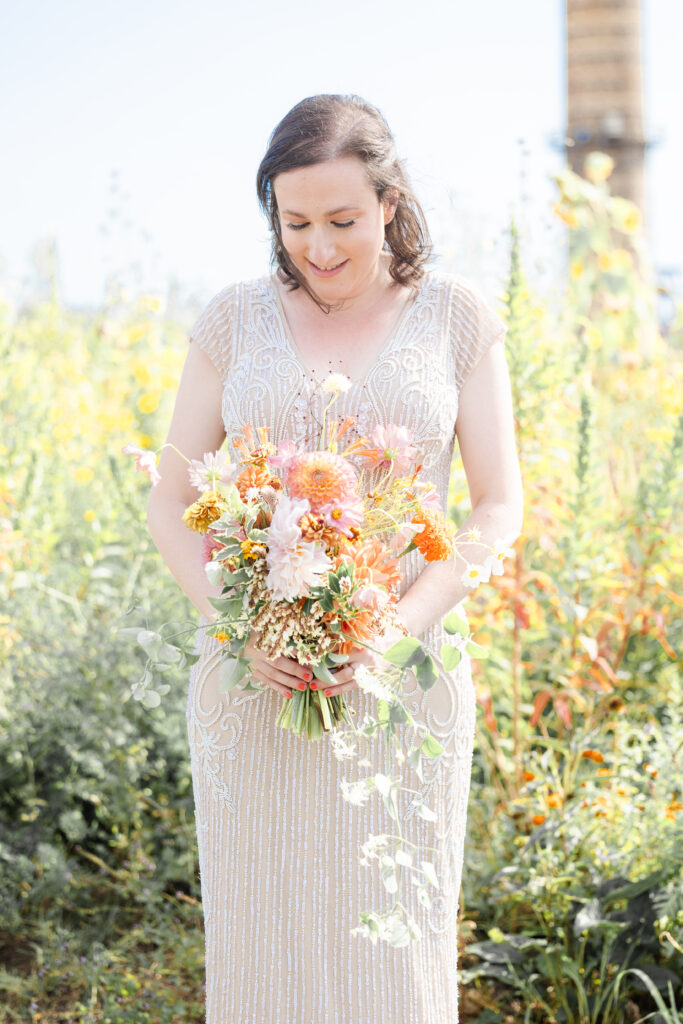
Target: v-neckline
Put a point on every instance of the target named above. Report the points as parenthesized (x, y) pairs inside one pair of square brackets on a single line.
[(394, 333)]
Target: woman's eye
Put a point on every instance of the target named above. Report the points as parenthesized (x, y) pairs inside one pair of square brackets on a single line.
[(296, 227), (346, 224)]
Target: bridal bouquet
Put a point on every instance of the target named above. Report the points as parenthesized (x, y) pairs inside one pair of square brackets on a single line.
[(308, 558)]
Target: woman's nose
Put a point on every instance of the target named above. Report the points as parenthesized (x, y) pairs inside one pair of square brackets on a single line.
[(321, 249)]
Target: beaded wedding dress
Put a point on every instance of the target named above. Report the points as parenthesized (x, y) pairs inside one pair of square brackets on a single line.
[(281, 879)]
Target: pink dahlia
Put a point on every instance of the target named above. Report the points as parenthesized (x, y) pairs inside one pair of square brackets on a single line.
[(322, 477)]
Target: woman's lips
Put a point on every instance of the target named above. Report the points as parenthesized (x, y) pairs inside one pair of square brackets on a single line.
[(326, 273)]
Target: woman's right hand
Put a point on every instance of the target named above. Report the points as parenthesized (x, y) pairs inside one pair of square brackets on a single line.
[(282, 674)]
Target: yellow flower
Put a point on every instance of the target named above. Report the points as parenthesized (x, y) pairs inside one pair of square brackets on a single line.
[(205, 511), (594, 337), (150, 302), (148, 402), (622, 259), (597, 167), (568, 216), (83, 475), (605, 260), (554, 800), (576, 269), (627, 216), (89, 515), (222, 637)]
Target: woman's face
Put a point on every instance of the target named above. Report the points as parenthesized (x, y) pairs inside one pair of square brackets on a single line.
[(332, 226)]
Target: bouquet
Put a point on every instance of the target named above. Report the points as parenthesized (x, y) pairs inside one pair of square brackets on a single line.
[(306, 548)]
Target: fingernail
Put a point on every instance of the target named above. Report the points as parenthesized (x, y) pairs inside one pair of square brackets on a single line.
[(328, 693), (314, 686), (289, 694), (302, 686), (308, 676)]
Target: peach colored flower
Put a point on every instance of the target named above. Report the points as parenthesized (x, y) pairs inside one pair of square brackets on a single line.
[(322, 478), (145, 461)]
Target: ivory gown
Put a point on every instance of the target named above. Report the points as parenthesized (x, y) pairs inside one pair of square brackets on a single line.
[(279, 847)]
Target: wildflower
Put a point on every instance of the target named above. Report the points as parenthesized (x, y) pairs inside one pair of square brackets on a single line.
[(529, 776), (554, 800), (293, 563), (392, 448), (356, 792), (216, 468), (204, 511), (672, 809), (250, 549), (593, 755), (210, 545), (286, 451), (568, 216), (223, 637), (650, 769), (598, 166), (603, 772), (342, 516), (336, 382), (475, 574), (495, 559), (576, 269), (322, 478), (145, 461), (149, 402), (89, 515), (538, 819), (369, 683), (436, 540), (404, 535)]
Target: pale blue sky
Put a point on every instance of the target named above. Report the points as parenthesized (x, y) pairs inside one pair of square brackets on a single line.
[(161, 111)]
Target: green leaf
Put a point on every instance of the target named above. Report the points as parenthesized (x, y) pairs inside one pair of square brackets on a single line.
[(231, 671), (450, 656), (454, 624), (321, 672), (408, 651), (431, 747), (476, 650), (427, 673)]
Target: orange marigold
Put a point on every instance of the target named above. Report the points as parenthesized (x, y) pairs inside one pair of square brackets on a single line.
[(435, 541), (538, 819), (554, 800)]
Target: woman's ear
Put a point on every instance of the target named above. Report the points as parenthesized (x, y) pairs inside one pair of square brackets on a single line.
[(390, 202)]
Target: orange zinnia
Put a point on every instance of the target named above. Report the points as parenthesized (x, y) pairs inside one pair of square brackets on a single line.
[(436, 540)]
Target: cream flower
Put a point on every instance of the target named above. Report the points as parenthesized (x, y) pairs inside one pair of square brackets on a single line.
[(215, 468), (475, 574), (145, 461), (336, 382), (294, 564)]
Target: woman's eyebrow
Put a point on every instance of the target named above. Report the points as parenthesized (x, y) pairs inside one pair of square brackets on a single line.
[(330, 213)]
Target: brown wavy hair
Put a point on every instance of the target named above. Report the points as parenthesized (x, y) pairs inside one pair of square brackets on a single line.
[(329, 126)]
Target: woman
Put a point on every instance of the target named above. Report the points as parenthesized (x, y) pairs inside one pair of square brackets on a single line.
[(282, 885)]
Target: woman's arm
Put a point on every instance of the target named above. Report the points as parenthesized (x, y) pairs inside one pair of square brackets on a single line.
[(196, 428), (486, 435)]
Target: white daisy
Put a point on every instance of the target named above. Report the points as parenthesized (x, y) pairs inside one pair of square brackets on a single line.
[(336, 382)]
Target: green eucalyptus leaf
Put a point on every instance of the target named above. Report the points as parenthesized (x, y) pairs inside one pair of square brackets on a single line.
[(406, 652), (453, 623), (450, 656), (427, 673)]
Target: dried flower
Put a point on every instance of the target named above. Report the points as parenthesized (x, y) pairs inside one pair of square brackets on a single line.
[(204, 511)]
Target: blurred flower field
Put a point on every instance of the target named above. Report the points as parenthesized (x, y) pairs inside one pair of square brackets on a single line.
[(572, 907)]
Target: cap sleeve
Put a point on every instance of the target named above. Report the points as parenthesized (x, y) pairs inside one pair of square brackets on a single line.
[(213, 330), (474, 326)]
